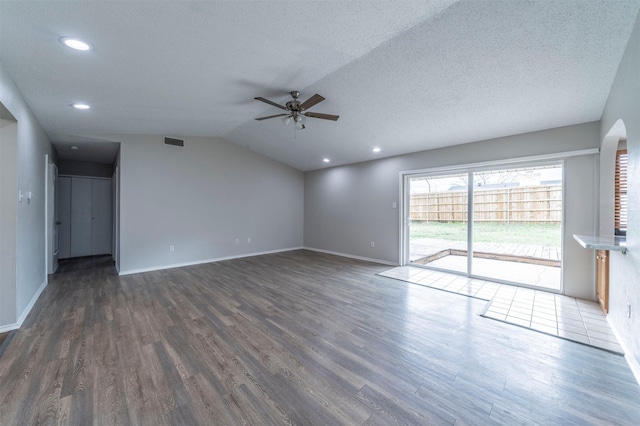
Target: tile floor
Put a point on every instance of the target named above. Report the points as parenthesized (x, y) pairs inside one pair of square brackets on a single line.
[(566, 317)]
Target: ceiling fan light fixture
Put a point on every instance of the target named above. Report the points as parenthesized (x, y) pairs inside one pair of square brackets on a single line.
[(296, 112)]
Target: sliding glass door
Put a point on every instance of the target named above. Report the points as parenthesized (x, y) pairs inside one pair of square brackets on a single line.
[(500, 224), (438, 225)]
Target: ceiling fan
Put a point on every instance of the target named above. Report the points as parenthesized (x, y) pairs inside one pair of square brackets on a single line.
[(297, 112)]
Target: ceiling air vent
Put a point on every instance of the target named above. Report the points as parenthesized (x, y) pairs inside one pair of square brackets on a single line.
[(174, 142)]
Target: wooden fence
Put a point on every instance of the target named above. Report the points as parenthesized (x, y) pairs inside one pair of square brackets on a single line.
[(524, 204)]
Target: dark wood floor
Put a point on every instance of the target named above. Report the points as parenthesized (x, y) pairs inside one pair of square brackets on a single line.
[(3, 336), (297, 338)]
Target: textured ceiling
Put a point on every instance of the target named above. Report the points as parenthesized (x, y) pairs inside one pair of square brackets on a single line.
[(403, 75)]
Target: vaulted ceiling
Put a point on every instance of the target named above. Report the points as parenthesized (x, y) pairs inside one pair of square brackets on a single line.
[(404, 76)]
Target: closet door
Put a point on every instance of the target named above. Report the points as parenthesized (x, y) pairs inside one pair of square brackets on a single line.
[(64, 217), (81, 217), (101, 217)]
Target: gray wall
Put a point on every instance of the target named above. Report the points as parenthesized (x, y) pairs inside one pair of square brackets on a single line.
[(200, 199), (84, 168), (348, 207), (624, 287), (32, 146), (8, 218)]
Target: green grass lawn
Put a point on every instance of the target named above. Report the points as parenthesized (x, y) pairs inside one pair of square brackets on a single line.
[(516, 233)]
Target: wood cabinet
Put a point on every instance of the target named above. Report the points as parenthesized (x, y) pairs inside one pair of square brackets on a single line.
[(602, 279)]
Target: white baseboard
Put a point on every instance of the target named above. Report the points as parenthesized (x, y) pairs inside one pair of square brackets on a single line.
[(34, 299), (628, 354), (351, 256), (199, 262), (9, 327)]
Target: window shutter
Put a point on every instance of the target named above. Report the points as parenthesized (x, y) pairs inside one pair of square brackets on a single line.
[(621, 193)]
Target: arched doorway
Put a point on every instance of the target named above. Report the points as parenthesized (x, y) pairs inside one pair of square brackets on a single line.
[(616, 136)]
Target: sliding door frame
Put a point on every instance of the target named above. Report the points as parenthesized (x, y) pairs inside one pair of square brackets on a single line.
[(534, 161)]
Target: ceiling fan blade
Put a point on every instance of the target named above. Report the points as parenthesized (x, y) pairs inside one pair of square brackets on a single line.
[(314, 100), (271, 116), (267, 101), (322, 116)]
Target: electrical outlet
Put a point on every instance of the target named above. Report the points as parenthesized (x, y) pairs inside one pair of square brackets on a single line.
[(373, 244), (237, 240), (249, 240), (394, 205), (172, 248)]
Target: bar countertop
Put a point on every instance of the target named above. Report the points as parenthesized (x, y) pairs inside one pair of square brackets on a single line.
[(607, 242)]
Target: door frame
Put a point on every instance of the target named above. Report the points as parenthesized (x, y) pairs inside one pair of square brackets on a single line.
[(113, 219), (538, 160), (116, 216), (46, 219), (50, 216)]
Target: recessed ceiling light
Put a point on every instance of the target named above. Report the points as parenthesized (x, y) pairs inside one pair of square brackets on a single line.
[(326, 160), (80, 106), (376, 149), (73, 147), (74, 43)]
